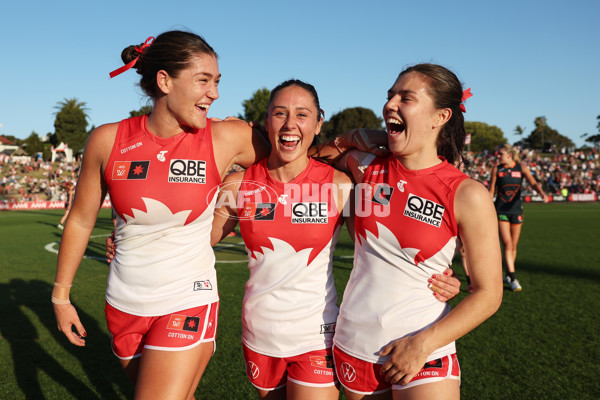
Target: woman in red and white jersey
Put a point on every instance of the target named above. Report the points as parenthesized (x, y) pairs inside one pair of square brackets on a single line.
[(160, 171), (393, 339), (290, 211)]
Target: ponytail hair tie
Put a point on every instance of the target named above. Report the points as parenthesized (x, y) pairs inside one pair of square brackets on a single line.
[(130, 65), (466, 94)]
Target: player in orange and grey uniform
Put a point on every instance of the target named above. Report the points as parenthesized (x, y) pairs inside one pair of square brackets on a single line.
[(413, 205), (505, 184)]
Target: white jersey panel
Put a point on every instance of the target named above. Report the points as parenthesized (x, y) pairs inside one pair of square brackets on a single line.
[(290, 306), (162, 265), (388, 284)]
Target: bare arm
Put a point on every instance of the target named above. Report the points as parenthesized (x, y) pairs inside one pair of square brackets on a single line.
[(356, 162), (236, 142), (345, 199), (534, 184), (89, 194), (367, 140), (492, 188), (478, 229), (225, 218)]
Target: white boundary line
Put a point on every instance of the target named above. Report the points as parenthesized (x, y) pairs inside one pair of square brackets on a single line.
[(51, 247)]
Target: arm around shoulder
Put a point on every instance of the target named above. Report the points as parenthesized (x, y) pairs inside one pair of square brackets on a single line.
[(225, 218), (345, 198), (236, 142)]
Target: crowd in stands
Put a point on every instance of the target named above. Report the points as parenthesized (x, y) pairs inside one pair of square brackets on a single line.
[(562, 173), (22, 179)]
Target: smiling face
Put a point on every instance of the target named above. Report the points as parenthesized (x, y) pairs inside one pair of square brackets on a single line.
[(189, 95), (292, 122), (411, 119)]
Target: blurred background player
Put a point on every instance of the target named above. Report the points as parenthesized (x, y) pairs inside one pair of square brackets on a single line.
[(506, 184)]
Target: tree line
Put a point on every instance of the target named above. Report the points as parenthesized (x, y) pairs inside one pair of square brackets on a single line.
[(71, 121)]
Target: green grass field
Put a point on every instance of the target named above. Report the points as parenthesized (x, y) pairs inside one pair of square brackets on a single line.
[(543, 343)]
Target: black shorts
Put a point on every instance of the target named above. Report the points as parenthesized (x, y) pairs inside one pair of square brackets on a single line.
[(512, 218)]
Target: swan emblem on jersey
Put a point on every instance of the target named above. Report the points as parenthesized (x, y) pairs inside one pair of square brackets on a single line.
[(157, 215), (280, 251), (388, 244)]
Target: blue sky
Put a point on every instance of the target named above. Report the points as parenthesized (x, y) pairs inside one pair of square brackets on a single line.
[(522, 59)]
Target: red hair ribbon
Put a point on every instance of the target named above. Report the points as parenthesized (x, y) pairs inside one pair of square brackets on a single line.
[(140, 49), (466, 94)]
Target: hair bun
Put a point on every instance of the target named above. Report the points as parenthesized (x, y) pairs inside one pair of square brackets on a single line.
[(129, 54)]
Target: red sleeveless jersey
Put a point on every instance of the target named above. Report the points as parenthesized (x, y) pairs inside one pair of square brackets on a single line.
[(290, 231), (405, 232), (163, 191)]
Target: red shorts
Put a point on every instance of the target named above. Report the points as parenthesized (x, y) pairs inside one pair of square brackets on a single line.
[(181, 330), (314, 368), (363, 377)]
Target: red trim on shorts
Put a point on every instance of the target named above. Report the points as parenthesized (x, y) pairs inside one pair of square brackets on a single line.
[(364, 377), (314, 368), (446, 367), (177, 331)]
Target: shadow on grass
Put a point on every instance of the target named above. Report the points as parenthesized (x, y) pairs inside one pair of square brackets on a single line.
[(571, 272), (345, 246), (584, 273), (345, 264), (30, 358)]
